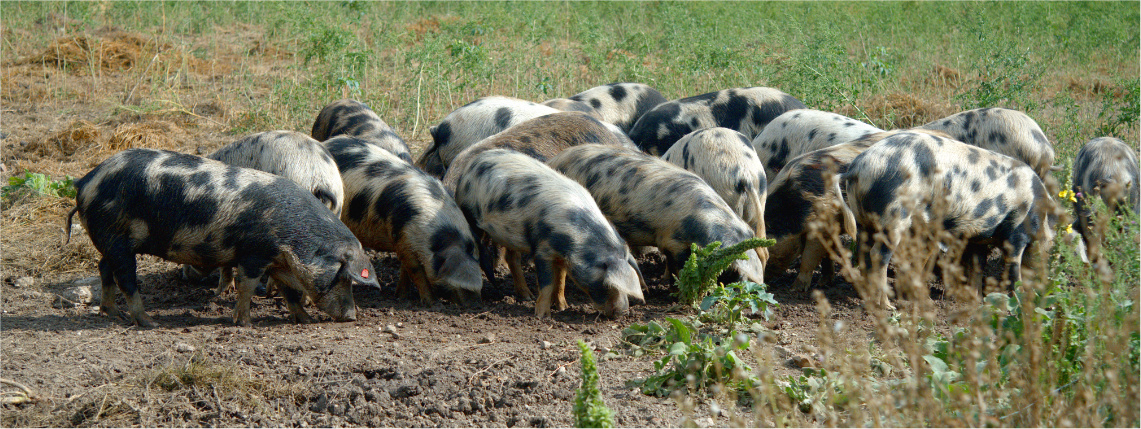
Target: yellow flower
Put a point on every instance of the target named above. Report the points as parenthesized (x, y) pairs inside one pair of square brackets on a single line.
[(1067, 194), (1069, 229)]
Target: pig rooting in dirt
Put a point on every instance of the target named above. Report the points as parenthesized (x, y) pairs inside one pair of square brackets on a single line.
[(1009, 132), (1105, 167), (471, 123), (655, 203), (353, 118), (393, 206), (292, 155), (797, 132), (200, 212), (530, 209)]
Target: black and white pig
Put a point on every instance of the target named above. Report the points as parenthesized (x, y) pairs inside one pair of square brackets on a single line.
[(801, 195), (745, 110), (353, 118), (196, 211), (655, 203), (797, 132), (726, 161), (541, 138), (395, 207), (621, 104), (292, 155), (977, 196), (1008, 132), (1105, 167), (528, 208), (471, 123)]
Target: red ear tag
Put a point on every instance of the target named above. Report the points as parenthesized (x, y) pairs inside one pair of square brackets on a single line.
[(364, 273)]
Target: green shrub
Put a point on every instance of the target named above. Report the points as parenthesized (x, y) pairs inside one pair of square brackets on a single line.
[(589, 410)]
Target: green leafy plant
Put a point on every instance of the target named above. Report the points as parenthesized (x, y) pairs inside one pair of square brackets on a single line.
[(697, 362), (699, 275), (589, 410), (37, 184), (815, 391), (727, 304)]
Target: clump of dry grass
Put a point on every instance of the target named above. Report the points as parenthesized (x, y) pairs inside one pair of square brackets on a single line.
[(901, 110), (117, 51), (33, 240), (78, 135)]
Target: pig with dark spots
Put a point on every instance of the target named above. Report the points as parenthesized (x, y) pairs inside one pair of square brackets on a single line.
[(620, 104), (355, 119), (745, 110), (393, 206), (200, 212), (542, 138), (797, 132), (800, 195), (528, 208), (292, 155), (1008, 132), (911, 178), (1105, 167), (726, 161), (655, 203), (471, 123), (568, 105)]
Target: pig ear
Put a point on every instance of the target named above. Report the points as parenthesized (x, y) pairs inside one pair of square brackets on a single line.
[(641, 281), (360, 272)]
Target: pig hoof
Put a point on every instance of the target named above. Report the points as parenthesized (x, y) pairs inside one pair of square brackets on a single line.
[(144, 321)]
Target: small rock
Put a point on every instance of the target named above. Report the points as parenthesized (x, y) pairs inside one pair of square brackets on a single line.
[(79, 294), (488, 339), (319, 404), (24, 282), (546, 345), (61, 302), (704, 422), (561, 371), (801, 361), (76, 230), (184, 348), (87, 281), (782, 352), (390, 329)]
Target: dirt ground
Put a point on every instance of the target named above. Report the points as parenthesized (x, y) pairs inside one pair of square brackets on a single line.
[(399, 364)]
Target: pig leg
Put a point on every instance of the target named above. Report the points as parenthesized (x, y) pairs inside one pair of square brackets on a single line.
[(402, 283), (876, 258), (294, 300), (123, 269), (545, 273), (225, 280), (813, 253), (248, 281), (560, 282), (516, 266), (973, 262), (411, 270), (110, 289)]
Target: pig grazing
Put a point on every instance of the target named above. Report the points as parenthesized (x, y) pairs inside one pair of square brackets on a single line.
[(726, 161), (393, 206), (1105, 167), (471, 123), (621, 104), (356, 119), (568, 105), (530, 209), (292, 155), (200, 212), (745, 110), (655, 203), (801, 194), (975, 195), (1004, 131), (797, 132), (542, 138)]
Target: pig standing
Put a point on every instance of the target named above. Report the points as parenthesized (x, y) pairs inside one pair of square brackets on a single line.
[(195, 211), (471, 123), (655, 203), (291, 155), (530, 209), (975, 195), (393, 206), (726, 161), (621, 104), (1005, 131), (1105, 167), (797, 132), (745, 110), (356, 119)]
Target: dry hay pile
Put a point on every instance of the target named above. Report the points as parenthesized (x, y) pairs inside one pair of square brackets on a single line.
[(89, 144), (898, 110), (33, 240), (113, 50)]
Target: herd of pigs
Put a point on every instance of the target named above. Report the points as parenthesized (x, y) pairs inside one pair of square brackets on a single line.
[(573, 184)]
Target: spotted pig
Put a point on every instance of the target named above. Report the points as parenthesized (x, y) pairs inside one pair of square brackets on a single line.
[(977, 196), (292, 155), (1105, 167), (1008, 132), (726, 161), (621, 104), (797, 132), (745, 110), (530, 209), (471, 123), (395, 207), (356, 119), (196, 211), (655, 203)]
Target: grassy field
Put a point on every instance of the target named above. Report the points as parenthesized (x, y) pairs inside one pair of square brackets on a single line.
[(1061, 351)]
